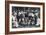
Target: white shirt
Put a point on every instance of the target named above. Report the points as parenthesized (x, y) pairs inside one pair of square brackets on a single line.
[(15, 22), (38, 21)]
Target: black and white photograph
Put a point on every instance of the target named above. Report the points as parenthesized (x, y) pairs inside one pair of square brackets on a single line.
[(25, 17)]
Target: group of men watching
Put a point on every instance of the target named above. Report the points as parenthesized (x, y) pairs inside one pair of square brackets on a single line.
[(24, 18)]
